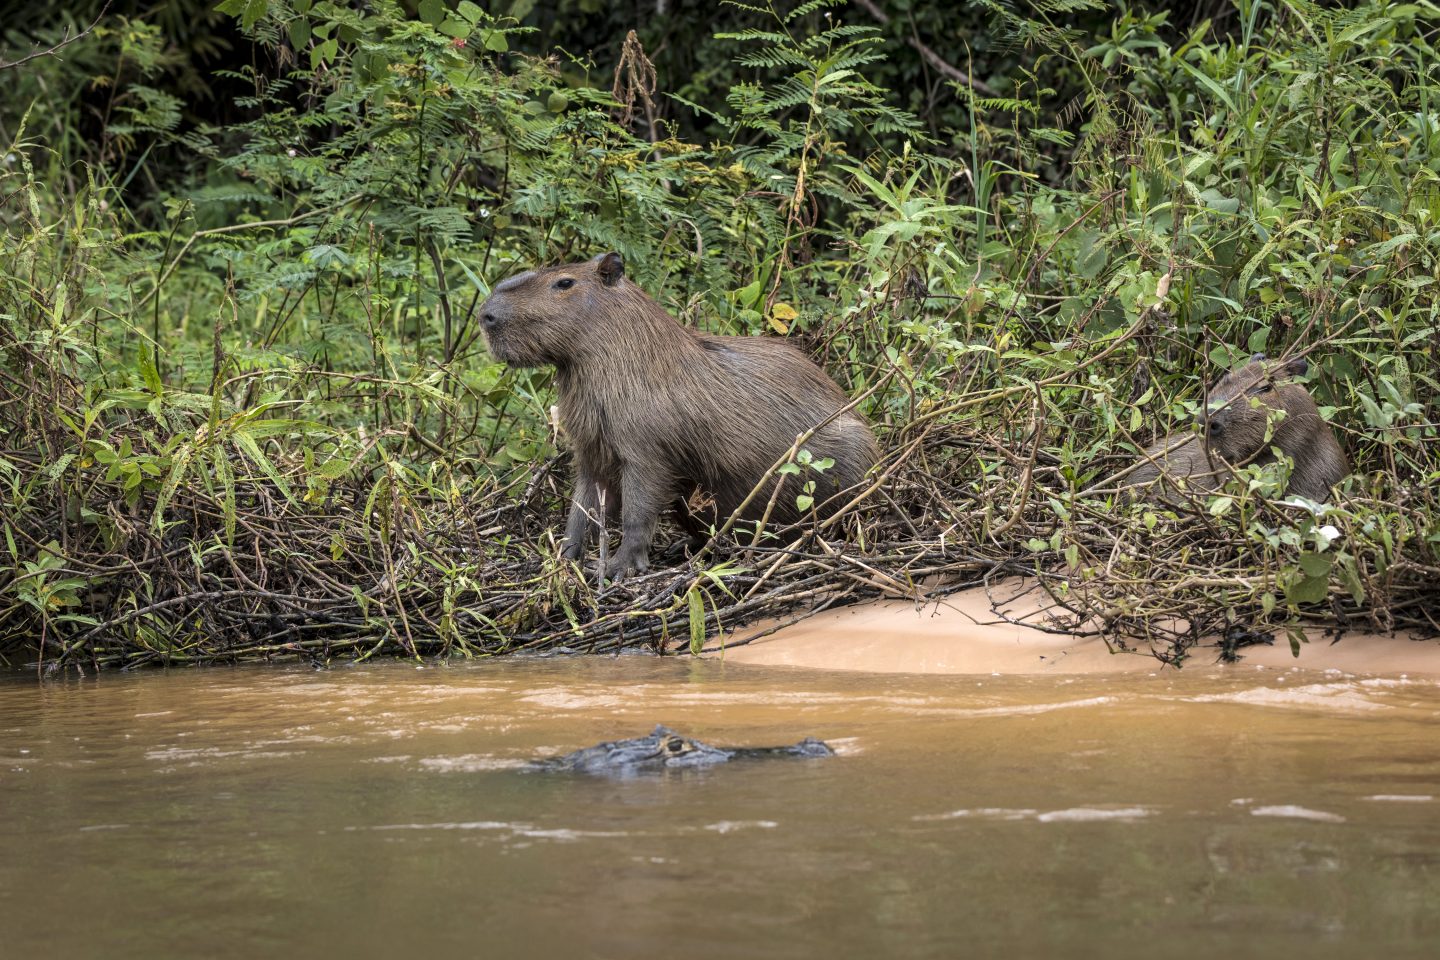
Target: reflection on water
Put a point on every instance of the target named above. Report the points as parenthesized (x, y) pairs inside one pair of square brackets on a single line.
[(379, 811)]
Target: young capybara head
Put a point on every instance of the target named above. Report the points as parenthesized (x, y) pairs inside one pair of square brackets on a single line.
[(1242, 404), (544, 316)]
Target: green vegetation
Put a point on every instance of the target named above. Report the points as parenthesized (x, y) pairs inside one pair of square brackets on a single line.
[(245, 410)]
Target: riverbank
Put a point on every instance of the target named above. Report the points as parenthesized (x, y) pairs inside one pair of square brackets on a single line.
[(1000, 630)]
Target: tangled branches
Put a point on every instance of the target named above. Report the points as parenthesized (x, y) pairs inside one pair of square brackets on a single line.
[(388, 566)]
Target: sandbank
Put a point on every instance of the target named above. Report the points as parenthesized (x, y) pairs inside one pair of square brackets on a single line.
[(964, 634)]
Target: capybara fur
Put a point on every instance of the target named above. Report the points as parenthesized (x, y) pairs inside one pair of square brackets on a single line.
[(1251, 412), (656, 412)]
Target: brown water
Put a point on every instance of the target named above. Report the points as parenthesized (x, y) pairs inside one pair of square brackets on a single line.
[(377, 812)]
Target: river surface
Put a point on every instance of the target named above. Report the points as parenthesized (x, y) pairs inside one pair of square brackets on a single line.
[(381, 812)]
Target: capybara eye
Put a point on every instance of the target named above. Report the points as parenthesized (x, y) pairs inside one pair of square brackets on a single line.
[(564, 284)]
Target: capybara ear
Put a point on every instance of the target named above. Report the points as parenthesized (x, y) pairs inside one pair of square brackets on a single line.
[(611, 267), (1296, 368), (1257, 357)]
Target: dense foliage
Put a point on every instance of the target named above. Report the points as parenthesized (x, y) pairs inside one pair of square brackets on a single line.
[(244, 407)]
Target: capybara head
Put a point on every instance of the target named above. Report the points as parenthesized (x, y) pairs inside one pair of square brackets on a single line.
[(1242, 404), (544, 316)]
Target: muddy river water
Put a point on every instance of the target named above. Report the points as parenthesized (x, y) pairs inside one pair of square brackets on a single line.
[(380, 812)]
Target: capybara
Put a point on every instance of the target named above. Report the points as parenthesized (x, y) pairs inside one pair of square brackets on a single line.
[(1234, 427), (656, 412)]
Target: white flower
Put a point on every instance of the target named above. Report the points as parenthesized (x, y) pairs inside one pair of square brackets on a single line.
[(1329, 532), (291, 152)]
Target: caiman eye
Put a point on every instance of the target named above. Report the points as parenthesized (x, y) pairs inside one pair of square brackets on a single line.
[(565, 283)]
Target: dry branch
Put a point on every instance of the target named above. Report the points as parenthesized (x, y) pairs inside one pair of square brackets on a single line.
[(65, 41)]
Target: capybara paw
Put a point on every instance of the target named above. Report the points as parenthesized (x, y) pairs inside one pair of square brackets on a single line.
[(572, 551), (626, 563)]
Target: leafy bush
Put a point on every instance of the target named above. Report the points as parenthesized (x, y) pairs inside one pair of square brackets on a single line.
[(247, 411)]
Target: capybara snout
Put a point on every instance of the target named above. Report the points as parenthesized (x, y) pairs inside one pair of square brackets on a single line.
[(530, 319)]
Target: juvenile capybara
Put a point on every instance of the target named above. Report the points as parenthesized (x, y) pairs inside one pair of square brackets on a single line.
[(656, 412), (1233, 430)]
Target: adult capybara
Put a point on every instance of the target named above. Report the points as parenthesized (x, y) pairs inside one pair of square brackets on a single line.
[(1251, 412), (656, 412)]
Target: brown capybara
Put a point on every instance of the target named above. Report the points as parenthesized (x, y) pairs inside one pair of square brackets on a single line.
[(1236, 429), (656, 412)]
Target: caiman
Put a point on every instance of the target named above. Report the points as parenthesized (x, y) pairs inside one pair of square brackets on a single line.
[(665, 749)]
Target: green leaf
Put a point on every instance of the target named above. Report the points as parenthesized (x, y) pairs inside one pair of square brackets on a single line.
[(1221, 506), (432, 12), (1351, 578), (1380, 251), (697, 619), (277, 427), (1209, 84), (333, 469), (227, 482), (376, 66), (1217, 201), (455, 27), (178, 466), (1307, 589), (469, 11), (299, 31), (149, 373), (1316, 564), (252, 451), (254, 10)]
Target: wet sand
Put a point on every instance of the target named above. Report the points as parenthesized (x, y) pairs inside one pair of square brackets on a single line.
[(964, 635)]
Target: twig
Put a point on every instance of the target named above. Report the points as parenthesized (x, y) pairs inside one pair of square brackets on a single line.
[(64, 42)]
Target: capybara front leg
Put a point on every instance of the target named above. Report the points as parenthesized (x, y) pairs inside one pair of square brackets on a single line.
[(585, 517), (643, 499)]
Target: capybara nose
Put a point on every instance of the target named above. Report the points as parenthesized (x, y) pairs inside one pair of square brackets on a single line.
[(489, 319), (1214, 427)]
